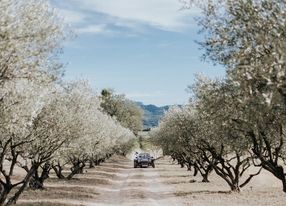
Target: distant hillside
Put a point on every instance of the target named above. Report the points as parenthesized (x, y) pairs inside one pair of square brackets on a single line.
[(152, 114)]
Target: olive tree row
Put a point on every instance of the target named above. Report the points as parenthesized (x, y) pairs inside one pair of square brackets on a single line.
[(248, 38), (42, 127), (240, 120), (42, 121), (30, 39), (200, 135), (99, 136)]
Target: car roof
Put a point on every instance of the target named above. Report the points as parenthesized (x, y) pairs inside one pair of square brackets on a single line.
[(144, 154)]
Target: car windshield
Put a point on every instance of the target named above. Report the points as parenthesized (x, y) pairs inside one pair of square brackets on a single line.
[(144, 155)]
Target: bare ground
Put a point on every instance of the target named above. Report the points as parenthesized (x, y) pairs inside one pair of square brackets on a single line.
[(116, 182)]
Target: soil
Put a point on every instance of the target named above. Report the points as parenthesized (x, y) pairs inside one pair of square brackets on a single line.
[(116, 182)]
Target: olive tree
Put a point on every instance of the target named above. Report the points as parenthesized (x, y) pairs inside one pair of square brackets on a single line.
[(218, 106), (30, 37), (248, 38), (97, 134), (177, 135), (124, 110), (57, 124), (29, 135), (204, 134)]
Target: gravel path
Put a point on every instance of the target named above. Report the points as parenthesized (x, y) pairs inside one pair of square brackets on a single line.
[(137, 186), (115, 182)]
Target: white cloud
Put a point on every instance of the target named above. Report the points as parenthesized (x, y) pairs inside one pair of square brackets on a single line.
[(92, 29), (162, 14), (71, 17), (79, 20)]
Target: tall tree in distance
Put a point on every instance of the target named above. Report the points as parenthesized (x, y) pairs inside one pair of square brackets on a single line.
[(124, 110)]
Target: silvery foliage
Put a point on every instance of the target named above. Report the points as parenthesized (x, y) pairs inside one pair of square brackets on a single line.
[(30, 37), (39, 116)]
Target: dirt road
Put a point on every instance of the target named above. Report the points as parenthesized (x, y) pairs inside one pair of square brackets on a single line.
[(115, 182), (137, 186)]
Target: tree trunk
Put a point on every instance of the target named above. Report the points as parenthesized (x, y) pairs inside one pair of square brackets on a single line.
[(91, 163), (5, 190), (13, 163), (58, 170), (76, 169), (37, 182), (280, 174), (189, 166), (195, 171), (204, 171), (96, 160), (284, 186), (235, 188), (16, 196), (81, 168), (205, 178), (277, 171)]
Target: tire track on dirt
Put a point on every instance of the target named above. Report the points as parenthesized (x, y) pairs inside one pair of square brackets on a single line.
[(139, 186), (119, 184)]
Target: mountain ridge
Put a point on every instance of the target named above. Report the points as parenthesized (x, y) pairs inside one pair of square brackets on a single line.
[(152, 114)]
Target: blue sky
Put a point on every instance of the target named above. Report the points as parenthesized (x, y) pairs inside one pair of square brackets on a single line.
[(144, 49)]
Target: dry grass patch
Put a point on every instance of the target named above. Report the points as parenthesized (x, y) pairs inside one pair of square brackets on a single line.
[(106, 169), (78, 193), (102, 174), (136, 195), (178, 181), (136, 184), (91, 181), (41, 204), (118, 166), (81, 180), (177, 176), (182, 193), (137, 177)]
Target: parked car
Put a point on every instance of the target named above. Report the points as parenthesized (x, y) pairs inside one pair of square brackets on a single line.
[(144, 160)]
